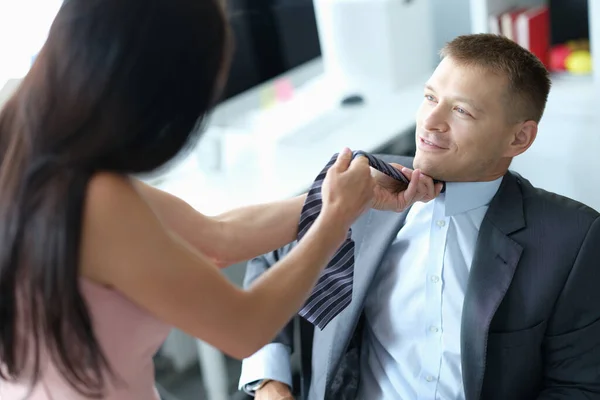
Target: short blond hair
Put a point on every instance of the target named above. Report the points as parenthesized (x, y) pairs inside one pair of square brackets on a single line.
[(528, 79)]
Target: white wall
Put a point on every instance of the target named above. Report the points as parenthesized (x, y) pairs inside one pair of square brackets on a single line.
[(451, 18), (24, 26)]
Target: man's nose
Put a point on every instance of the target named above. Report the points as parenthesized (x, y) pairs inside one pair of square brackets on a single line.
[(436, 120)]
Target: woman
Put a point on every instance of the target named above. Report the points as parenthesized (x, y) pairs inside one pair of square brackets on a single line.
[(95, 267)]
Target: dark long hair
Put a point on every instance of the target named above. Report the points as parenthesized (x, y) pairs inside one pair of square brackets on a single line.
[(121, 86)]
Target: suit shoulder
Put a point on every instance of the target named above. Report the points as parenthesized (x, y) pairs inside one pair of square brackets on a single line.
[(555, 205)]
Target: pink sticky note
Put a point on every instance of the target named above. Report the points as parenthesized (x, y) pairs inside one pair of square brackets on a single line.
[(284, 90)]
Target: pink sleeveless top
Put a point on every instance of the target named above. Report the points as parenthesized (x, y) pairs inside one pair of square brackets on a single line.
[(129, 337)]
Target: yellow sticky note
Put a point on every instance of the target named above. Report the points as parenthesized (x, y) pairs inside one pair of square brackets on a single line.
[(267, 97)]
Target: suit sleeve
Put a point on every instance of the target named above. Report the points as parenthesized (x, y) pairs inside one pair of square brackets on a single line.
[(273, 360), (572, 344)]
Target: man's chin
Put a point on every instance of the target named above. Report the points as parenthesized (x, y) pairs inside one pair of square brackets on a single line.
[(427, 167)]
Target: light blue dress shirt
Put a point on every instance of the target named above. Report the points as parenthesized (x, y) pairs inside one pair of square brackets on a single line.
[(411, 345)]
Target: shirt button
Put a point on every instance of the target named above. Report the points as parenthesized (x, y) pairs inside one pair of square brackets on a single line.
[(434, 329), (429, 378), (441, 223), (435, 279)]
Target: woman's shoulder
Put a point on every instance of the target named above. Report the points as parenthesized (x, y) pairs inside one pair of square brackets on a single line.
[(111, 195)]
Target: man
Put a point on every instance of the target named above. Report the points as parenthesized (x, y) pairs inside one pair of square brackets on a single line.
[(488, 292)]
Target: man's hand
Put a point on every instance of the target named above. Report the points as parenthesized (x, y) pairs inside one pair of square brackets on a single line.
[(391, 195), (274, 390)]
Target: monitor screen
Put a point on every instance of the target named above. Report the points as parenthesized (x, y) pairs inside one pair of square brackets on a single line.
[(270, 38)]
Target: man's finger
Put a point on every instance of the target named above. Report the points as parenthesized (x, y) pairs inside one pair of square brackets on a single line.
[(343, 160), (412, 189)]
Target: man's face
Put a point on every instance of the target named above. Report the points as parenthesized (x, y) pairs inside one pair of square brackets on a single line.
[(464, 131)]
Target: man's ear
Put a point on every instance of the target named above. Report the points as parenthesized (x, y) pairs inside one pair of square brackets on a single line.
[(522, 138)]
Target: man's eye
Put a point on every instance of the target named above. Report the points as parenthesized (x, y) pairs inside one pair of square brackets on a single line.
[(429, 97)]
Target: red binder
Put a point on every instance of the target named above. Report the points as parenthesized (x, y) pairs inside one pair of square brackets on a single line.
[(533, 32)]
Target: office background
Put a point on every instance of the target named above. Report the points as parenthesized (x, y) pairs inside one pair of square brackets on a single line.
[(280, 118)]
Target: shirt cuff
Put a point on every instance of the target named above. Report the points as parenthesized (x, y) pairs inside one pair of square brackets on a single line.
[(271, 362)]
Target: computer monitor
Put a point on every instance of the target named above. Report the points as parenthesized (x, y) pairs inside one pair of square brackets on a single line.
[(270, 38), (568, 20)]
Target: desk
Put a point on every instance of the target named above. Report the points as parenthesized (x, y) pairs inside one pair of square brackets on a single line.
[(260, 160), (262, 165)]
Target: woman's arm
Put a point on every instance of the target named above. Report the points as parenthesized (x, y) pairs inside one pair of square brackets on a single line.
[(230, 237), (127, 248)]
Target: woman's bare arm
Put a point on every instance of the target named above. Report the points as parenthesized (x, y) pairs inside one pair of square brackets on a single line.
[(230, 237)]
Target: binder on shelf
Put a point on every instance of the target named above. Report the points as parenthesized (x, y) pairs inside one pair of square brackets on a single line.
[(532, 29)]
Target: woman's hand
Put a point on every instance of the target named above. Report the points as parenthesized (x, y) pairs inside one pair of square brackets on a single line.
[(391, 195), (347, 190)]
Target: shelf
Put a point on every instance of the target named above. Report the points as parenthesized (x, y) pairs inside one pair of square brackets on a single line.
[(482, 9)]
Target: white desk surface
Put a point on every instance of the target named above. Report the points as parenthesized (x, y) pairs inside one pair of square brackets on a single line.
[(260, 167)]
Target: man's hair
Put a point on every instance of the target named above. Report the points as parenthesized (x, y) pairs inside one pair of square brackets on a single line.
[(528, 79)]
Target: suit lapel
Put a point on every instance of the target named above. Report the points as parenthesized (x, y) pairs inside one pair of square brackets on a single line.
[(494, 263), (373, 237)]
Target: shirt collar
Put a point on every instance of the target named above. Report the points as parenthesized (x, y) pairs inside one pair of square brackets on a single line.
[(460, 197)]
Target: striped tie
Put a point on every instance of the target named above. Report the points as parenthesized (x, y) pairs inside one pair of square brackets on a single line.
[(333, 291)]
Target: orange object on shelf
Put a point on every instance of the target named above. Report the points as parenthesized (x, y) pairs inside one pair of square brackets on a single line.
[(558, 55)]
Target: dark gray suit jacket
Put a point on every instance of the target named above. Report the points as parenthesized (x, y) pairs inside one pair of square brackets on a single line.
[(531, 313)]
